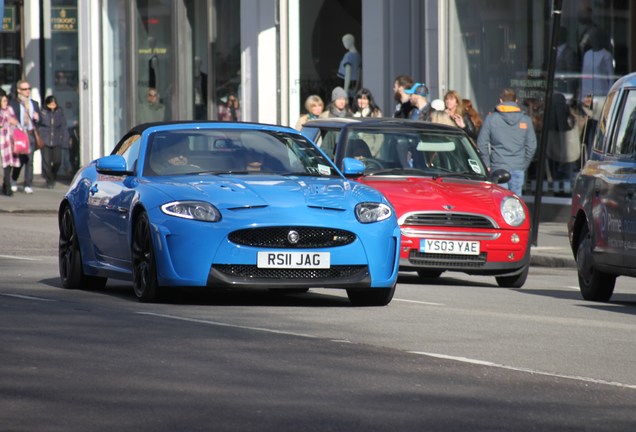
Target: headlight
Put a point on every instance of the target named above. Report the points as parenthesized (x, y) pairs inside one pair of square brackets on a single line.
[(196, 210), (369, 212), (512, 211)]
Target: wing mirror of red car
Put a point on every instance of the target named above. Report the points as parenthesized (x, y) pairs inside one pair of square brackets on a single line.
[(499, 176)]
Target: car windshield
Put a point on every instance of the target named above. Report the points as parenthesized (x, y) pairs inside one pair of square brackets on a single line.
[(225, 151), (414, 152)]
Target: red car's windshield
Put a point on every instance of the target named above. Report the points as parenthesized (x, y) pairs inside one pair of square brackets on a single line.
[(414, 152)]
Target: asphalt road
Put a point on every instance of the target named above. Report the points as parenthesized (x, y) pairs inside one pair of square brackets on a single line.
[(453, 354)]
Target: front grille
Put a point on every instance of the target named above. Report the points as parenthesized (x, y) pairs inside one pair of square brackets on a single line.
[(278, 237), (449, 220), (253, 272), (447, 261)]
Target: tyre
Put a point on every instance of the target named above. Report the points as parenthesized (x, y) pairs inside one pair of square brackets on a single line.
[(515, 281), (70, 258), (371, 296), (429, 274), (144, 265), (595, 285)]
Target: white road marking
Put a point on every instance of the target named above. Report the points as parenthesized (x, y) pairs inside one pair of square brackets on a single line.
[(216, 323), (418, 302), (18, 258), (526, 370), (26, 297)]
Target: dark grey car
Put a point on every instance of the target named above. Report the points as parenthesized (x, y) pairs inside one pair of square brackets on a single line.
[(602, 227)]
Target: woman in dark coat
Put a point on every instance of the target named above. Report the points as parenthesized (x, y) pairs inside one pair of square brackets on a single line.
[(54, 132)]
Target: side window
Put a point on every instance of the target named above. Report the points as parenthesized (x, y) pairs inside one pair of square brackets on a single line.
[(130, 151), (603, 123), (626, 135)]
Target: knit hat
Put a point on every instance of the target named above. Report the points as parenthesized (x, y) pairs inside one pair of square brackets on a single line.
[(338, 93)]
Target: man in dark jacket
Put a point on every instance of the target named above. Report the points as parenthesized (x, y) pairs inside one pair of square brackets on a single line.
[(28, 113), (419, 101), (403, 107), (507, 140)]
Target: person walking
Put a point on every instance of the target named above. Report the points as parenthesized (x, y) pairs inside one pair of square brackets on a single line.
[(339, 105), (8, 122), (28, 113), (314, 106), (421, 109), (403, 106), (54, 131), (455, 109), (364, 105), (507, 140)]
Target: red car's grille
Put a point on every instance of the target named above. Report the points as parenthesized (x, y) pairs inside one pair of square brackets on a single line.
[(447, 261), (279, 237), (253, 272), (449, 220)]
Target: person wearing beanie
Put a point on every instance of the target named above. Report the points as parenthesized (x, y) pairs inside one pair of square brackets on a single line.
[(339, 105)]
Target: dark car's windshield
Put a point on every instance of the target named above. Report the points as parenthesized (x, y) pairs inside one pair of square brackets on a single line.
[(414, 152), (221, 151)]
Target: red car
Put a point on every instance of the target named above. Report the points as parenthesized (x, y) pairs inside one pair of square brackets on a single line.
[(452, 213)]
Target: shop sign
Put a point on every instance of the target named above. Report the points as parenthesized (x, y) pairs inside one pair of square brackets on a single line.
[(63, 19), (8, 21)]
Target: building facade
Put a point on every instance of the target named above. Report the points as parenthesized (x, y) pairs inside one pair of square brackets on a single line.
[(101, 58)]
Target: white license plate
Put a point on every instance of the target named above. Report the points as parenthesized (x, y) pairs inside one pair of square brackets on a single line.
[(315, 260), (455, 247)]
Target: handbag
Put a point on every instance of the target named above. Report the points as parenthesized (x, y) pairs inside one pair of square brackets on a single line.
[(39, 143), (20, 142), (38, 138)]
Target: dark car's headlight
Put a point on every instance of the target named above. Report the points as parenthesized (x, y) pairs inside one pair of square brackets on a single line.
[(368, 212), (512, 211), (195, 210)]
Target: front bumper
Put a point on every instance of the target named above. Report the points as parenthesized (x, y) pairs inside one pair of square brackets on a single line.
[(498, 254)]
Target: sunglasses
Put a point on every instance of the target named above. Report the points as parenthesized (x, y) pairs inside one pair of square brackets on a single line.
[(25, 88)]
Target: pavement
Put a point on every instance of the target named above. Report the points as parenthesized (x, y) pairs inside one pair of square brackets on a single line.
[(552, 249)]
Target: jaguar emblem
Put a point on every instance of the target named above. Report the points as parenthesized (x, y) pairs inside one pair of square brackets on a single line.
[(293, 237)]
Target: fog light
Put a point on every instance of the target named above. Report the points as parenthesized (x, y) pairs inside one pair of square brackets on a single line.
[(515, 238)]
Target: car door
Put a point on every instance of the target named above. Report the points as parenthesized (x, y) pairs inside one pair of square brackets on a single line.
[(625, 150), (608, 189), (110, 198)]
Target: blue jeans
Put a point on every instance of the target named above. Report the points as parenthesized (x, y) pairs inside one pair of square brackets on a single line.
[(517, 179)]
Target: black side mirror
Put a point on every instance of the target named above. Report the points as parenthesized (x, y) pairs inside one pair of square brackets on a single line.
[(499, 176)]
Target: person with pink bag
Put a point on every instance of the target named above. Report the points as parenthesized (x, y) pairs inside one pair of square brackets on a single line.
[(8, 122), (27, 112)]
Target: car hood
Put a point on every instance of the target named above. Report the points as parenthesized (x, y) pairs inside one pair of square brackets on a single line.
[(408, 194), (268, 190)]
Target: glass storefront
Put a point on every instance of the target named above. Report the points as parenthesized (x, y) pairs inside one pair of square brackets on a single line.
[(506, 44), (10, 46), (323, 25)]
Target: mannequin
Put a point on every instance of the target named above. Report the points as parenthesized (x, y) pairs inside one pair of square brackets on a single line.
[(350, 65)]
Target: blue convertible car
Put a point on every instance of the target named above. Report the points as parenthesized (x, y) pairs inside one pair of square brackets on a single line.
[(224, 205)]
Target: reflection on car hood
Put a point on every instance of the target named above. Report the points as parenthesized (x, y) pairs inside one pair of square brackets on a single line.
[(425, 194), (267, 190)]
